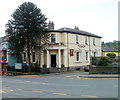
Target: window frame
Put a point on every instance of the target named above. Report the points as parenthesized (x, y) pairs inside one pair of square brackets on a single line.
[(86, 56), (24, 56), (86, 40), (53, 38), (77, 39), (94, 42), (78, 56), (33, 57)]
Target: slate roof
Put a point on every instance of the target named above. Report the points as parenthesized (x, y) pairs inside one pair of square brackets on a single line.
[(75, 31), (109, 49)]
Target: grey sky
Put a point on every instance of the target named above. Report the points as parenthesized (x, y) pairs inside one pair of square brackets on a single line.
[(99, 17)]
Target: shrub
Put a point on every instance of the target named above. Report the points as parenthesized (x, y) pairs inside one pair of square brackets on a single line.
[(101, 61), (104, 61), (111, 55)]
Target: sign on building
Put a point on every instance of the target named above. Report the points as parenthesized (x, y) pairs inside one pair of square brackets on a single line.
[(18, 66), (71, 52)]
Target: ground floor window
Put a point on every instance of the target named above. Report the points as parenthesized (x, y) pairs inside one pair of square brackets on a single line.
[(78, 56), (94, 54), (33, 57), (86, 56), (24, 57)]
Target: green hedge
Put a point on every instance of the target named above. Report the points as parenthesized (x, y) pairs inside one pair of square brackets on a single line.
[(101, 61)]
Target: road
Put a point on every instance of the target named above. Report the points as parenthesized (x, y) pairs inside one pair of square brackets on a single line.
[(66, 85)]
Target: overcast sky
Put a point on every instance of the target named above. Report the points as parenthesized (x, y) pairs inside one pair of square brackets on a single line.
[(99, 17)]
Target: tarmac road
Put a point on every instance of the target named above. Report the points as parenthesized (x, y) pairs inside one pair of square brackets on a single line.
[(65, 85)]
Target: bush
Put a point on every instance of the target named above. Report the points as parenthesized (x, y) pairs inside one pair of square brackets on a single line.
[(101, 61), (111, 55), (95, 60), (104, 61)]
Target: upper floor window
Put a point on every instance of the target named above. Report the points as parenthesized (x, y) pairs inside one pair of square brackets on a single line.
[(77, 40), (86, 40), (93, 41), (53, 38), (33, 57)]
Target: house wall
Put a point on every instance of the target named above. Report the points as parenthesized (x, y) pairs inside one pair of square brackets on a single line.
[(66, 42), (70, 41)]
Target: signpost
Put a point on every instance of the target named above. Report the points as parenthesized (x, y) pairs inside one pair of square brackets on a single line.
[(18, 66)]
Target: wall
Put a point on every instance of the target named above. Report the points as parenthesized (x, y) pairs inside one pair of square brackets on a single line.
[(104, 70)]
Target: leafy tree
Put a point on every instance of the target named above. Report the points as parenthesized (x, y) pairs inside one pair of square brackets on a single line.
[(115, 44), (111, 55), (27, 30)]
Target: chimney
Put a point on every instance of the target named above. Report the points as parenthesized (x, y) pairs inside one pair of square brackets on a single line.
[(76, 27), (51, 25)]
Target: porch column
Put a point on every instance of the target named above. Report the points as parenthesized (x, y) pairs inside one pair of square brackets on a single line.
[(48, 60), (65, 58), (59, 58), (42, 59)]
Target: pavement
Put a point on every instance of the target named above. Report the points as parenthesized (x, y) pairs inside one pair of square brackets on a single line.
[(80, 75), (100, 76)]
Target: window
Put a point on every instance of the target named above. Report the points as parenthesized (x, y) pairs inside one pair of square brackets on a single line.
[(33, 57), (86, 56), (86, 42), (52, 38), (94, 54), (93, 41), (24, 57), (77, 40), (77, 56)]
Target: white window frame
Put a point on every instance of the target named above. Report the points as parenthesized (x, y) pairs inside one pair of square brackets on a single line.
[(24, 56), (77, 39), (54, 38), (87, 56), (94, 41), (34, 58), (86, 40), (80, 56)]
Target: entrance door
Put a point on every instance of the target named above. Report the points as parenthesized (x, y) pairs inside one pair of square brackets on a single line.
[(53, 60)]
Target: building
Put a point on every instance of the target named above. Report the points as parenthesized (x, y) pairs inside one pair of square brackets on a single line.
[(69, 48), (3, 53), (106, 50), (5, 58)]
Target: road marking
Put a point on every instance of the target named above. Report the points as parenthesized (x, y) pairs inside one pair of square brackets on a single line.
[(5, 91), (30, 76), (19, 89), (68, 76), (38, 91), (60, 93), (89, 96)]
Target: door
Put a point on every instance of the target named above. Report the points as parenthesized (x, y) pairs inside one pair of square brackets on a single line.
[(53, 60)]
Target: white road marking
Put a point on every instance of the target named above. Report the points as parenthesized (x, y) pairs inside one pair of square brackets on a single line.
[(59, 93), (38, 91), (5, 90), (88, 96)]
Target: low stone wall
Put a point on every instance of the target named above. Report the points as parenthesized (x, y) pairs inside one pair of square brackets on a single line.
[(104, 70)]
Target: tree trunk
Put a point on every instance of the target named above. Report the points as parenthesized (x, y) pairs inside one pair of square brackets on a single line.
[(28, 59)]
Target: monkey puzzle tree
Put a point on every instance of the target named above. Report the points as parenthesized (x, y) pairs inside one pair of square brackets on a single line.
[(26, 30)]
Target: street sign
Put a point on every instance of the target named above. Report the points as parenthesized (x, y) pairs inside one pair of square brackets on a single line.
[(18, 66)]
